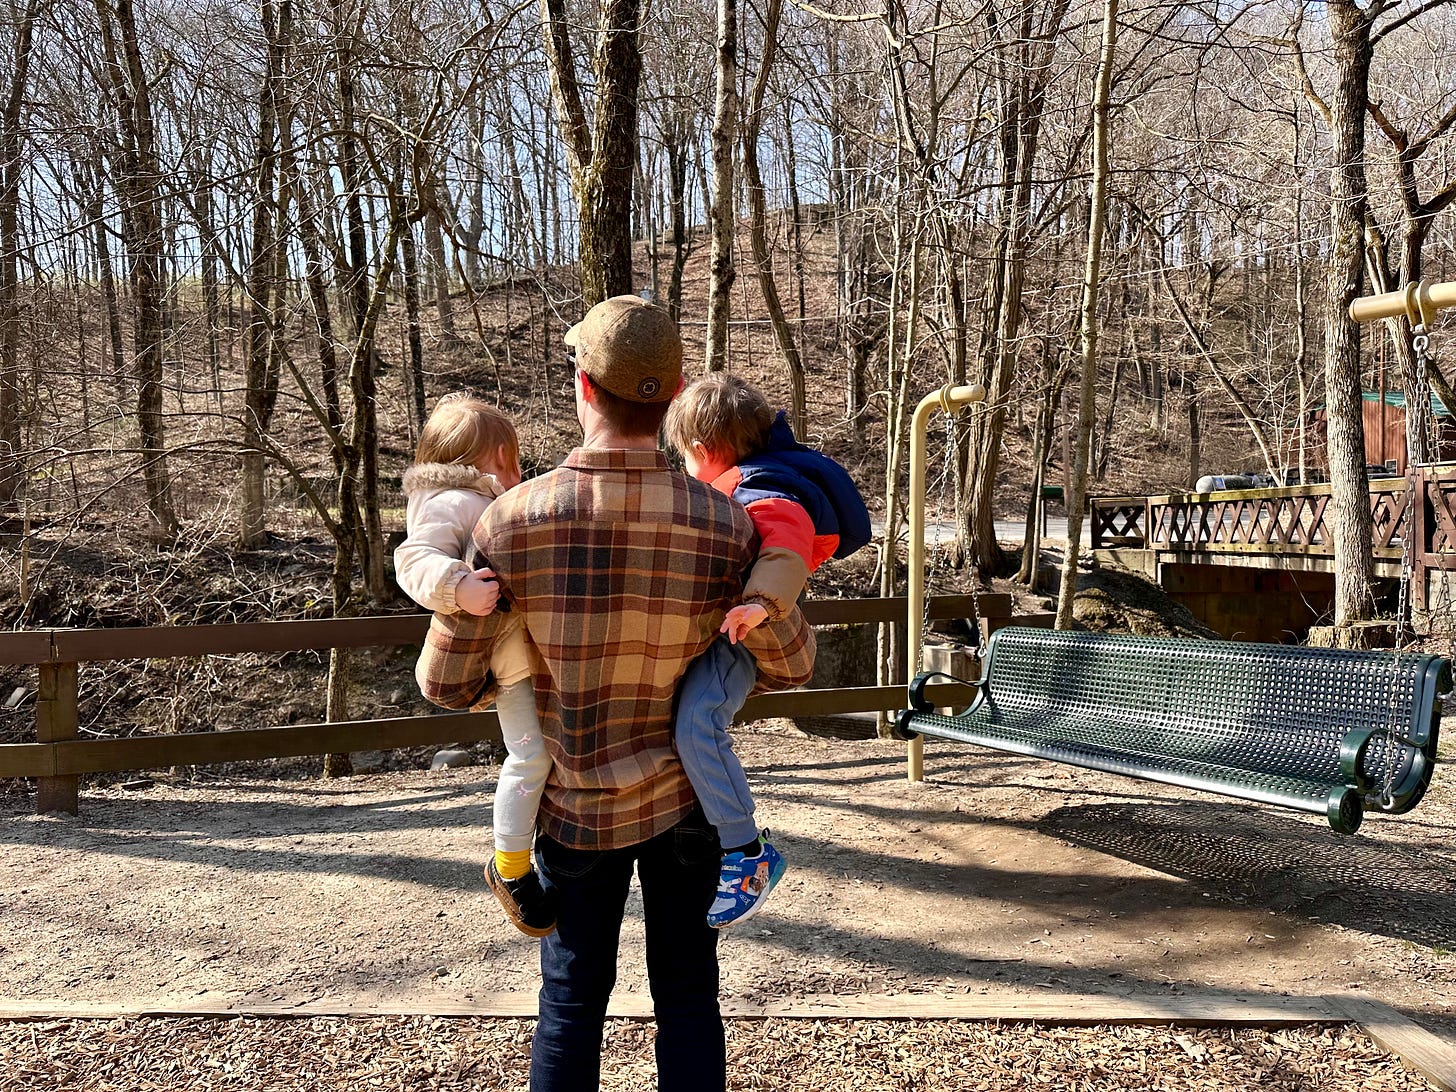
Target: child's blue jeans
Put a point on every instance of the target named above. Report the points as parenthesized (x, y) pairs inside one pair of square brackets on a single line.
[(714, 688)]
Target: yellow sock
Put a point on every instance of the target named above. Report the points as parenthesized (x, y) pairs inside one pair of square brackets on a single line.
[(512, 866)]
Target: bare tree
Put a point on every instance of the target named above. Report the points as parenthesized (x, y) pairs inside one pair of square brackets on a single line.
[(1350, 27), (603, 155), (264, 288), (758, 226), (722, 215), (12, 128), (138, 179), (1097, 217)]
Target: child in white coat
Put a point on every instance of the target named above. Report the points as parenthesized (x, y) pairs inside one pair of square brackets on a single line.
[(467, 456)]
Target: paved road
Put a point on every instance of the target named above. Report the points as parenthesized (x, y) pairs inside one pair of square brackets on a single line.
[(1006, 530)]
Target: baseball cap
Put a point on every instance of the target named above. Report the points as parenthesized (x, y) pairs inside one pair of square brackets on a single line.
[(629, 348)]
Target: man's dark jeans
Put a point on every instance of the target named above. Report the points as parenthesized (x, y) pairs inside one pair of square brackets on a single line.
[(679, 874)]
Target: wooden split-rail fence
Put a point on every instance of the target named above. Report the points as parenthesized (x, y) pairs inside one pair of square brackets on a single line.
[(60, 756)]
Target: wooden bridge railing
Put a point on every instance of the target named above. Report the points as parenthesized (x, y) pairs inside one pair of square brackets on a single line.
[(1289, 520), (58, 756)]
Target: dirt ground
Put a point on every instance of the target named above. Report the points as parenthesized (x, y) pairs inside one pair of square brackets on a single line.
[(996, 875)]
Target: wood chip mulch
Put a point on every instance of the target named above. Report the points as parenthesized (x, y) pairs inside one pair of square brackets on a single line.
[(424, 1054)]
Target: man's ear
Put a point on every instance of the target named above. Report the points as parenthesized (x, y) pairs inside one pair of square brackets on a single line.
[(584, 385)]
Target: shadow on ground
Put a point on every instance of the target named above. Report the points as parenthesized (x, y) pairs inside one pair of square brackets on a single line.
[(1399, 891)]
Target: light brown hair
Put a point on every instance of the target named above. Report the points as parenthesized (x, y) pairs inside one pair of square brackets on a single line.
[(462, 427), (724, 414)]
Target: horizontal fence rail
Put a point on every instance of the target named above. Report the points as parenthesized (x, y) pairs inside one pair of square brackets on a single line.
[(58, 758)]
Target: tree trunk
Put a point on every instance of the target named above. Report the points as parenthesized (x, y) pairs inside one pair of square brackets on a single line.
[(602, 157), (366, 303), (676, 146), (11, 472), (414, 372), (261, 393), (725, 117), (88, 183), (1076, 490), (1053, 377), (1349, 485), (758, 227), (1301, 314), (211, 297), (439, 269), (1195, 430), (1022, 84), (139, 180)]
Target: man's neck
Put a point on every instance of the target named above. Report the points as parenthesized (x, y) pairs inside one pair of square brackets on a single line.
[(601, 438)]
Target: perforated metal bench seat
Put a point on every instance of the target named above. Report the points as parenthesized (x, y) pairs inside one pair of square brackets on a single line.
[(1304, 728)]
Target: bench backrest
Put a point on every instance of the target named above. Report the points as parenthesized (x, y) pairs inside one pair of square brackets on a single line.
[(1280, 709)]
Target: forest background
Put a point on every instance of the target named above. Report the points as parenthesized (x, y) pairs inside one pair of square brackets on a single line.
[(243, 248)]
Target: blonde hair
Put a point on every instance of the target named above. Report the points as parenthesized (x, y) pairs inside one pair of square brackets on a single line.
[(463, 427), (723, 413)]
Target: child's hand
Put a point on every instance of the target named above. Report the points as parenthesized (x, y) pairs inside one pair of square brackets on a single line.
[(478, 592), (741, 619)]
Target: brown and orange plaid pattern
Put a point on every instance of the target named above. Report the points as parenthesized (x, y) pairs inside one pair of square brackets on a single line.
[(622, 569)]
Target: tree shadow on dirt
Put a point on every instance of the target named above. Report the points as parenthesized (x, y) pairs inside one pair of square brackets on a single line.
[(1244, 854), (1398, 891)]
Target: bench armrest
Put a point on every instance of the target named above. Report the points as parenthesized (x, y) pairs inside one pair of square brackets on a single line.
[(1352, 757)]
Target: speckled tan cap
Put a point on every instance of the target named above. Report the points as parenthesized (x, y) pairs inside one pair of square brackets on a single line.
[(630, 348)]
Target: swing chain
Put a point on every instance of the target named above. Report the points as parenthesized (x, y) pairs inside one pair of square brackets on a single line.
[(935, 546), (947, 477), (1420, 344), (975, 618)]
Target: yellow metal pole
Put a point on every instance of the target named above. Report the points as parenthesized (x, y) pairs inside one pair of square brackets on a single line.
[(1419, 301), (951, 400)]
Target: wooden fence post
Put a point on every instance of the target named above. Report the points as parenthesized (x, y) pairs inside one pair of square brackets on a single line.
[(57, 717)]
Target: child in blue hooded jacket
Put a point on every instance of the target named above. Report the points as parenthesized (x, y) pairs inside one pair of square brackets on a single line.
[(806, 509)]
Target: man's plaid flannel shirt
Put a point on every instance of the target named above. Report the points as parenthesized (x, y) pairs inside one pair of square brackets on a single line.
[(622, 569)]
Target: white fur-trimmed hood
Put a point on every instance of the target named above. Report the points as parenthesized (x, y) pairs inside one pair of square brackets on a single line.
[(435, 476)]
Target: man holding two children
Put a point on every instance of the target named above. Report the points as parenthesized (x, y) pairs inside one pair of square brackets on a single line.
[(622, 570)]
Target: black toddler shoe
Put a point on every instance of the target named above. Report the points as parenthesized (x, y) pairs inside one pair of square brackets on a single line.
[(531, 909)]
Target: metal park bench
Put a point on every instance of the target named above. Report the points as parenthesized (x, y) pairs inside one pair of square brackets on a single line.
[(1320, 730)]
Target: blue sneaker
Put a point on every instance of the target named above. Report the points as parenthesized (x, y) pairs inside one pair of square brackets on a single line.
[(744, 885)]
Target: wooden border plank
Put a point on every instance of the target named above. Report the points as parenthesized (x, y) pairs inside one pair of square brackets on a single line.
[(847, 699), (1061, 1010), (378, 631), (1428, 1054)]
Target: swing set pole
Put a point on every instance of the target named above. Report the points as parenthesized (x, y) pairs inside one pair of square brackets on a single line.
[(950, 399), (1419, 302)]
